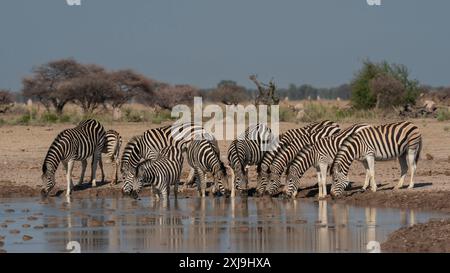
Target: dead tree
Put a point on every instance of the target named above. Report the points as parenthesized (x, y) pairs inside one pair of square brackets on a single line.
[(266, 92)]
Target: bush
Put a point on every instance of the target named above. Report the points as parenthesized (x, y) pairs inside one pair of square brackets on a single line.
[(133, 115), (375, 81), (287, 114), (23, 119), (49, 117), (443, 114)]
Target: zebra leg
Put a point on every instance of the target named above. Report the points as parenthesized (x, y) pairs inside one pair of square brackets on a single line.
[(203, 184), (404, 170), (100, 163), (367, 179), (412, 166), (116, 173), (371, 163), (191, 177), (69, 177), (165, 192), (83, 171), (323, 178), (94, 169), (175, 188), (319, 174)]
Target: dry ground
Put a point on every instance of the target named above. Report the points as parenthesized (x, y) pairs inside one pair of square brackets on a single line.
[(23, 149)]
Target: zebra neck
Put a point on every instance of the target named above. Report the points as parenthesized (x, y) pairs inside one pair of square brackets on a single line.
[(52, 160)]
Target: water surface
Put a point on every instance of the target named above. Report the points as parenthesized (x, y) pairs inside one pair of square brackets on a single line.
[(197, 225)]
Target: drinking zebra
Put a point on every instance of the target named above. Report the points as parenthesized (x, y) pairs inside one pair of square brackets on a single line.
[(149, 145), (160, 173), (400, 140), (112, 150), (248, 150), (321, 156), (288, 152), (284, 140), (75, 144), (204, 157)]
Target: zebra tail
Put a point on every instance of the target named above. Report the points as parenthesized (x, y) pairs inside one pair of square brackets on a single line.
[(419, 149)]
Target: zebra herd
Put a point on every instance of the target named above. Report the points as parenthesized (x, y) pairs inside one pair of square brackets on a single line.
[(156, 157)]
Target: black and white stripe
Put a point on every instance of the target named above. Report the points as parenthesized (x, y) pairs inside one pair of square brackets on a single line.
[(284, 140), (400, 140), (160, 173), (204, 157), (75, 144), (112, 150), (320, 155), (148, 146), (288, 152), (248, 150)]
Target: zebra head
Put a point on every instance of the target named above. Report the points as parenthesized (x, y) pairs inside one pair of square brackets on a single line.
[(128, 180), (263, 178), (48, 180), (274, 184), (140, 177), (220, 176), (340, 182), (293, 182)]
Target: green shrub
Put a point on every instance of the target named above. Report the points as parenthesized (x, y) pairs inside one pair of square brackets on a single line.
[(364, 97), (133, 116), (23, 119), (443, 114), (64, 118), (49, 117), (287, 114)]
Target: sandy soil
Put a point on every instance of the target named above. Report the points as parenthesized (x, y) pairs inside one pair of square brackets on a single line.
[(23, 149)]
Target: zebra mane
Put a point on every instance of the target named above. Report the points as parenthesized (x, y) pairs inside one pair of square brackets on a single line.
[(51, 150), (237, 154)]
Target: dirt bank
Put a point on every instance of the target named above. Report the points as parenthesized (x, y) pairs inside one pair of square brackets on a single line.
[(433, 236)]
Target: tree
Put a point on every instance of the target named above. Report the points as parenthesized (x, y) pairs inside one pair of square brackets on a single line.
[(6, 100), (43, 84), (266, 92), (130, 84), (90, 91), (387, 90), (168, 96), (229, 93)]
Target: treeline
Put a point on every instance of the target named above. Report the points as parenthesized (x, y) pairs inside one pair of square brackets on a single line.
[(229, 92), (93, 87)]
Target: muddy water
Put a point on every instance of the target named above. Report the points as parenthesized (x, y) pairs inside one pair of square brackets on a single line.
[(196, 225)]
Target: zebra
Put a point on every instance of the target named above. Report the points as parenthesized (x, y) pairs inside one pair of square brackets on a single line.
[(286, 138), (112, 150), (148, 146), (288, 152), (321, 156), (400, 140), (160, 173), (246, 150), (204, 157), (75, 144)]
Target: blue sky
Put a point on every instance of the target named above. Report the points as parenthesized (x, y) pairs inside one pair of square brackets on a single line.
[(200, 42)]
